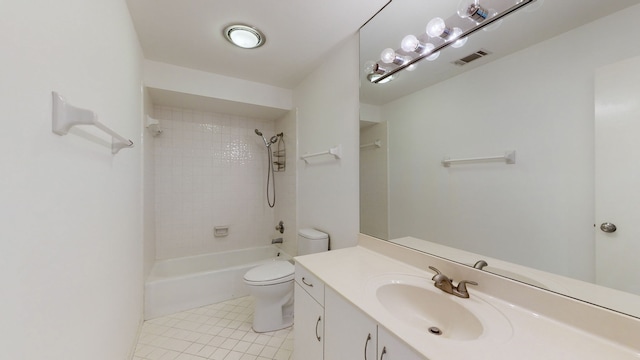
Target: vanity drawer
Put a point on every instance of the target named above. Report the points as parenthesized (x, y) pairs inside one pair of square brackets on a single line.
[(310, 283)]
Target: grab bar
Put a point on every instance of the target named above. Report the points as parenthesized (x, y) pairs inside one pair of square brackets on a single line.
[(336, 151), (65, 116), (509, 158)]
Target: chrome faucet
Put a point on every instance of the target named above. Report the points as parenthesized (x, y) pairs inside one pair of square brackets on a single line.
[(442, 282), (276, 241), (480, 264)]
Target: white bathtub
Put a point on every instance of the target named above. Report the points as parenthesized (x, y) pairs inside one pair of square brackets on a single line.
[(185, 283)]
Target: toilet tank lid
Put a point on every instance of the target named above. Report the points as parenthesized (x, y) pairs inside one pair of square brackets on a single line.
[(313, 234), (271, 271)]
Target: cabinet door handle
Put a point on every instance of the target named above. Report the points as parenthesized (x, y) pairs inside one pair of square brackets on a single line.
[(306, 283), (365, 346), (317, 323), (384, 351)]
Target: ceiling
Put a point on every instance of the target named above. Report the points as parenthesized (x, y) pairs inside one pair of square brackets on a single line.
[(299, 34), (535, 23)]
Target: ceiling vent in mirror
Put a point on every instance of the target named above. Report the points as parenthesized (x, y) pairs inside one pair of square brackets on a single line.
[(469, 58)]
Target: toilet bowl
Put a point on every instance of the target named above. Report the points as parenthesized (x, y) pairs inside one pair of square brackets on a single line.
[(272, 285)]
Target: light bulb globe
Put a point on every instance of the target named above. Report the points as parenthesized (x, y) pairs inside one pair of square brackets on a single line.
[(370, 67), (388, 55), (472, 10), (410, 67), (373, 77), (466, 8), (436, 27), (409, 43), (428, 47), (455, 35)]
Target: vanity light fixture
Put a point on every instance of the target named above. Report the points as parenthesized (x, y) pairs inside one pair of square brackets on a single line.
[(244, 36), (472, 9), (389, 56), (374, 78), (411, 43), (437, 28), (374, 71), (439, 35)]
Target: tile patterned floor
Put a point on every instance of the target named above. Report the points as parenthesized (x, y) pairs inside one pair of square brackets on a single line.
[(217, 332)]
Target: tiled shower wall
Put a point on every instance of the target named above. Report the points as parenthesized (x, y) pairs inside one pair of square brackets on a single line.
[(210, 171)]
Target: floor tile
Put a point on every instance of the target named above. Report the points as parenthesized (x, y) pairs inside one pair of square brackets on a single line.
[(215, 332)]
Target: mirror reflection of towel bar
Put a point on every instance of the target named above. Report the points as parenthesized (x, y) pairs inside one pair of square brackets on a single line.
[(509, 157), (376, 143)]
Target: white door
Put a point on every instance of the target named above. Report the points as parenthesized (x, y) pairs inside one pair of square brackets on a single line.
[(617, 175)]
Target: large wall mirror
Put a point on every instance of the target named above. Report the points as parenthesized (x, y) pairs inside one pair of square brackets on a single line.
[(556, 84)]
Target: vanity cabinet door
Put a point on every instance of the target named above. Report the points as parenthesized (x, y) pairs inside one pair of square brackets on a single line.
[(349, 333), (308, 339), (391, 348)]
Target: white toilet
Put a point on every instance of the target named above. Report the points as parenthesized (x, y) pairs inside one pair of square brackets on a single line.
[(272, 284)]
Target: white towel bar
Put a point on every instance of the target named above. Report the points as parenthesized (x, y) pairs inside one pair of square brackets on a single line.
[(65, 116), (336, 151), (509, 157)]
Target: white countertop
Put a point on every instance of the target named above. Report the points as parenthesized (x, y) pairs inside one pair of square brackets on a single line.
[(613, 299), (350, 272)]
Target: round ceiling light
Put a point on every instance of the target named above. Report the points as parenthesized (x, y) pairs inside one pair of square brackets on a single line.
[(244, 36)]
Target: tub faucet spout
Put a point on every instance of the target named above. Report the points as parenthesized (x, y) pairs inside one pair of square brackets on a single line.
[(276, 241)]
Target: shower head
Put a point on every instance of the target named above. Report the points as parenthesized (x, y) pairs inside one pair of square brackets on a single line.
[(266, 143), (274, 139)]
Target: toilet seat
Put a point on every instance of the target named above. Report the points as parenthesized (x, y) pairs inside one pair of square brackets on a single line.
[(269, 274)]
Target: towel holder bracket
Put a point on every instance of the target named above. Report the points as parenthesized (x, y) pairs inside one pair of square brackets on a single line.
[(66, 116)]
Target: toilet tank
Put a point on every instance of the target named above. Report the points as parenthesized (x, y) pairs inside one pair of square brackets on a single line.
[(311, 241)]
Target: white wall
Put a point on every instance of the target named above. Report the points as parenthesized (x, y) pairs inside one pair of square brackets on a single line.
[(189, 81), (210, 171), (148, 191), (327, 102), (538, 212), (286, 208), (71, 251), (374, 204), (370, 113)]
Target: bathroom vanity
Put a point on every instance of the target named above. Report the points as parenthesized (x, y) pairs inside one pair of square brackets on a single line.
[(328, 326), (378, 301)]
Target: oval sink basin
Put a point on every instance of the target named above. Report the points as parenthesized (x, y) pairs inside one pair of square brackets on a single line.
[(425, 309), (418, 304)]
